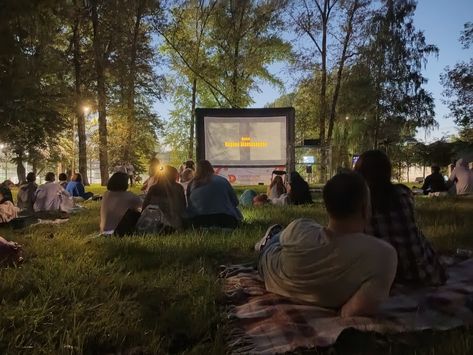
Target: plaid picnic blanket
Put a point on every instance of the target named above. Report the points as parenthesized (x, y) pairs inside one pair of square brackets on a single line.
[(266, 323)]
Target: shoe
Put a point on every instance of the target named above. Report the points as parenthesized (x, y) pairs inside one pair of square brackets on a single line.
[(272, 230)]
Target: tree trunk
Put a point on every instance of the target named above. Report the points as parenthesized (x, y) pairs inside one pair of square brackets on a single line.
[(101, 93), (341, 65), (131, 83), (192, 123), (20, 168), (322, 95), (79, 110)]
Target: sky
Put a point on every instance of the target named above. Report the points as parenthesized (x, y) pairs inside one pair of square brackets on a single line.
[(441, 21)]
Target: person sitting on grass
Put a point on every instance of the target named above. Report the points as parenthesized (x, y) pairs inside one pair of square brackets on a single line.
[(51, 197), (153, 175), (116, 202), (5, 190), (298, 191), (212, 200), (462, 177), (276, 188), (337, 266), (63, 180), (26, 193), (434, 182), (186, 177), (8, 210), (75, 188), (168, 195), (393, 221)]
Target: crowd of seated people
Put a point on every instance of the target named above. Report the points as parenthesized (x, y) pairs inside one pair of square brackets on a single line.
[(371, 240)]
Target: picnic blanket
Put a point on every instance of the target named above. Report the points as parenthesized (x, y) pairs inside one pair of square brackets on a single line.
[(266, 323)]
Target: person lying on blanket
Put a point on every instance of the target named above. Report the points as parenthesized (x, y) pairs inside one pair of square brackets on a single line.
[(337, 266)]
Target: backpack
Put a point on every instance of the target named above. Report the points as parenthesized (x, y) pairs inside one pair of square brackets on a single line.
[(153, 221)]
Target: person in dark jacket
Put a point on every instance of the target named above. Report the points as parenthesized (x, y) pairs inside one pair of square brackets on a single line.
[(434, 182)]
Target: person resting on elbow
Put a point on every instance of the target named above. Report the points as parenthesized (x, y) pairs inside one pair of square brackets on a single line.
[(337, 266)]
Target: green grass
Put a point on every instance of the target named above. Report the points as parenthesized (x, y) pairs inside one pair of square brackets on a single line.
[(78, 293)]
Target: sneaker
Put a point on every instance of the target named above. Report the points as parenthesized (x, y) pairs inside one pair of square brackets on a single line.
[(272, 230)]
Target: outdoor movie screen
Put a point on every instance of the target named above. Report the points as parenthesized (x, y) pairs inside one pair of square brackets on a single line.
[(246, 141)]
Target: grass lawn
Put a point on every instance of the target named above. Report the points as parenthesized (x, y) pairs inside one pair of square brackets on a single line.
[(78, 293)]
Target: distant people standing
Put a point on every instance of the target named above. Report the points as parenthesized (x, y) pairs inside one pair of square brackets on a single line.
[(212, 200), (393, 220), (76, 189), (63, 180), (299, 193), (462, 177), (434, 182), (130, 170), (26, 193)]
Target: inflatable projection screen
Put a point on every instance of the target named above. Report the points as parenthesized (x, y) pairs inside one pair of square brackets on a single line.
[(246, 145)]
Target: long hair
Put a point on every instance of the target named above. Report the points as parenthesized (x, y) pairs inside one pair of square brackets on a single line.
[(280, 188), (77, 177), (375, 167), (203, 174), (300, 192)]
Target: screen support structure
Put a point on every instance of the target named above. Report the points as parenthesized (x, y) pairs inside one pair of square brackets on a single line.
[(247, 114)]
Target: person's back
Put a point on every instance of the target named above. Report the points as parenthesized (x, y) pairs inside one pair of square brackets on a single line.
[(393, 220), (313, 265), (116, 202), (51, 197), (215, 197), (26, 196), (463, 178), (6, 193), (299, 193), (434, 182), (338, 266), (171, 200)]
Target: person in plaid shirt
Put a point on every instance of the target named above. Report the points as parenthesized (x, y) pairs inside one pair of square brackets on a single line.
[(393, 220)]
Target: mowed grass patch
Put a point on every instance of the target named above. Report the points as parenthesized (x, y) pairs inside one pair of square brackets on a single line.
[(79, 293)]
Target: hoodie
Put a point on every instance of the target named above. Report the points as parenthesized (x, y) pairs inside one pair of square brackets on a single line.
[(464, 176)]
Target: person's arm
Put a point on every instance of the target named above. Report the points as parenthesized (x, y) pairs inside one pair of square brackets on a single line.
[(426, 183), (232, 194)]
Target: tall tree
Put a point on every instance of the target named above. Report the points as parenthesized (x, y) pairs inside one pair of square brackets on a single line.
[(394, 56), (100, 59), (332, 26), (185, 37), (458, 83), (32, 77)]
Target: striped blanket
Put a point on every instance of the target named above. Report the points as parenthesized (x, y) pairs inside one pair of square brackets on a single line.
[(266, 323)]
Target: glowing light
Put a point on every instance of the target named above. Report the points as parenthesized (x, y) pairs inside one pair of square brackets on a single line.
[(86, 109)]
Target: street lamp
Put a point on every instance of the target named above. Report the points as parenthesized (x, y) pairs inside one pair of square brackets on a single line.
[(86, 109)]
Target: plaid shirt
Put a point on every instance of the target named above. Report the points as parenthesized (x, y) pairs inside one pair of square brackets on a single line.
[(418, 262)]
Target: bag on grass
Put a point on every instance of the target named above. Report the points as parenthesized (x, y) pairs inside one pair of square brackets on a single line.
[(153, 221)]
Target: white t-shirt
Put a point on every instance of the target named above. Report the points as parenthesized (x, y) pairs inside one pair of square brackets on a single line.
[(312, 265)]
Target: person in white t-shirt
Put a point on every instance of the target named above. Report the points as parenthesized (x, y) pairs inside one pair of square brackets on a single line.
[(337, 266)]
